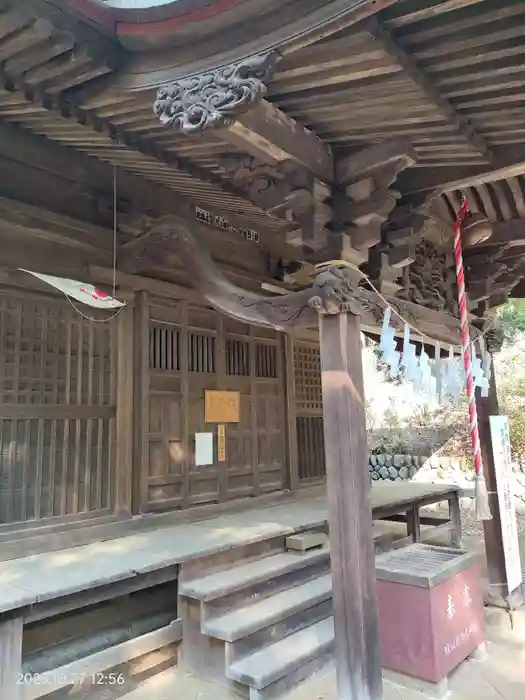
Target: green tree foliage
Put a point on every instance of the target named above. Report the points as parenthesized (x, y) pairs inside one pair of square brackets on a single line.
[(512, 316)]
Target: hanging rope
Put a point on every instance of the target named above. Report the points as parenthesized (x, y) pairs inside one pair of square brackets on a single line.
[(481, 495)]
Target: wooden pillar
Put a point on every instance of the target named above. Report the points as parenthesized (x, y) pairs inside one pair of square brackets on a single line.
[(349, 510), (292, 475), (10, 658), (141, 384), (488, 406), (125, 405)]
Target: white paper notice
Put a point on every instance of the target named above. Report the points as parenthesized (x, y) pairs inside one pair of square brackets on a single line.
[(499, 430), (203, 449)]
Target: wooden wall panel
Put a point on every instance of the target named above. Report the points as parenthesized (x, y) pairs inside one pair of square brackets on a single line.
[(193, 349), (57, 410)]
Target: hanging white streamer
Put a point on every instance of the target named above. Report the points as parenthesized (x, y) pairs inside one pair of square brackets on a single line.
[(486, 359), (437, 372)]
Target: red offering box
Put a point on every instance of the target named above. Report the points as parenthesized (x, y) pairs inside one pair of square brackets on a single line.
[(430, 609)]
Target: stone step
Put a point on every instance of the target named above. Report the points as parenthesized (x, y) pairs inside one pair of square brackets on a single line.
[(237, 578), (282, 659), (250, 618)]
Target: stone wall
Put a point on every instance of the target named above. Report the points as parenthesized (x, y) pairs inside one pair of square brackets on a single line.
[(448, 470)]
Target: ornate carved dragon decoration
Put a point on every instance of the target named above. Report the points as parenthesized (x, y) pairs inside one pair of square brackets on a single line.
[(216, 98), (431, 280)]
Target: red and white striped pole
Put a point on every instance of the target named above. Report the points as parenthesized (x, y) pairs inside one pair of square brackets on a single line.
[(482, 500)]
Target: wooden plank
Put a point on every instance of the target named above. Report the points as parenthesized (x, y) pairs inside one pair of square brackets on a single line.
[(124, 412), (59, 412), (401, 17), (385, 496), (349, 510), (412, 70), (14, 437), (141, 402), (501, 198), (51, 226), (185, 400), (101, 661), (269, 135), (10, 658)]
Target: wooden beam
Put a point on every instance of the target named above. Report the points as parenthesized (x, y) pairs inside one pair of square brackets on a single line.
[(295, 309), (292, 32), (266, 133), (358, 659), (412, 70), (50, 226), (507, 161), (46, 257)]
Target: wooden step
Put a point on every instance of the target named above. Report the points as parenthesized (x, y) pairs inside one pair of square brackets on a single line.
[(236, 579), (269, 665), (250, 618)]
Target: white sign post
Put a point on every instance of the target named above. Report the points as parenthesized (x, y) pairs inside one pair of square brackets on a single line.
[(499, 430)]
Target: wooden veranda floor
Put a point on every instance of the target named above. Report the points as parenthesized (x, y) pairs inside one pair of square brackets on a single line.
[(51, 575)]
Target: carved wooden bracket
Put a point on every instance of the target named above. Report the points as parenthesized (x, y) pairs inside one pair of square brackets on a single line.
[(333, 290), (289, 191), (216, 98), (364, 198)]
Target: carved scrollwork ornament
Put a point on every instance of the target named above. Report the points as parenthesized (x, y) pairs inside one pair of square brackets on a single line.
[(215, 98)]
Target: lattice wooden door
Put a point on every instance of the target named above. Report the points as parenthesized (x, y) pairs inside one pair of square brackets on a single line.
[(309, 411), (193, 349), (57, 411)]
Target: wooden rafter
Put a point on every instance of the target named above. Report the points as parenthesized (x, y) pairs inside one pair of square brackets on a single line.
[(412, 70)]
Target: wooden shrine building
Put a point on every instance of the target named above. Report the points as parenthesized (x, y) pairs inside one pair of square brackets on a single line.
[(201, 159)]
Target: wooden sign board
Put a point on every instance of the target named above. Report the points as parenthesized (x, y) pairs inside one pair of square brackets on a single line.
[(499, 430), (222, 406)]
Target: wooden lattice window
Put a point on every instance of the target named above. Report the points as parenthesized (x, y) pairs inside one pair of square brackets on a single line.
[(57, 410), (164, 350), (307, 371), (237, 357), (201, 353), (266, 361), (310, 447)]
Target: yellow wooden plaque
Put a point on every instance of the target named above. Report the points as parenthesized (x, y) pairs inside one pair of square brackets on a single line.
[(221, 443), (222, 406)]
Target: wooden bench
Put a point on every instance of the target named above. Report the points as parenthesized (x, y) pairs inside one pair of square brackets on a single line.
[(402, 502)]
